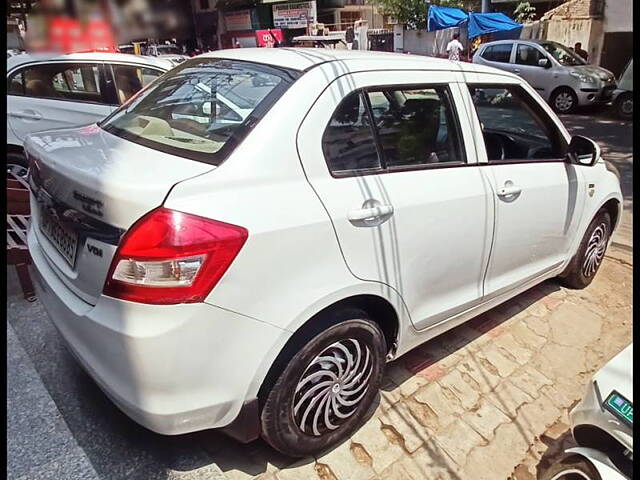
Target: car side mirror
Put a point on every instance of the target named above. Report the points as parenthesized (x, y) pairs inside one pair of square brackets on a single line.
[(544, 62), (583, 151)]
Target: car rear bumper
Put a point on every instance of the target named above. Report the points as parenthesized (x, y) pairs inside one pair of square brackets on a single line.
[(174, 368)]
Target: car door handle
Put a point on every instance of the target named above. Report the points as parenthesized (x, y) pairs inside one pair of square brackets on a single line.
[(516, 70), (28, 115), (508, 191), (370, 216)]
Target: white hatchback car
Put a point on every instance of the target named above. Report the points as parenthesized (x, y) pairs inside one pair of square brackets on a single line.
[(46, 91), (257, 275)]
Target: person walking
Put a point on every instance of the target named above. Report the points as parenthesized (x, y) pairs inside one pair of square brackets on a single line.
[(454, 48), (578, 49)]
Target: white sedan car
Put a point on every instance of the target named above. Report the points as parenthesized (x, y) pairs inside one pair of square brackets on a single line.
[(258, 274), (46, 91)]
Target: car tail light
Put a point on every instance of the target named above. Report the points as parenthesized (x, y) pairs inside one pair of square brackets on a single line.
[(170, 257)]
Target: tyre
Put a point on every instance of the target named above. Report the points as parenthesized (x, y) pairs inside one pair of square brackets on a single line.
[(624, 106), (324, 391), (563, 100), (572, 468), (587, 260), (18, 164)]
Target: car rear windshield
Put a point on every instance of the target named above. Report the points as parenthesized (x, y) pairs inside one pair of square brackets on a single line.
[(201, 109)]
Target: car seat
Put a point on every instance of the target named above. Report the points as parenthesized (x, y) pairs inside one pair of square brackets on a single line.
[(127, 83)]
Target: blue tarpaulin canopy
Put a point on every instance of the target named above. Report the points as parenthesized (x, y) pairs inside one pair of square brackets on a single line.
[(440, 18), (484, 23)]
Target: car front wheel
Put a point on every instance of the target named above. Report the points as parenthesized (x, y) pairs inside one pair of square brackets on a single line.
[(585, 264), (563, 100), (323, 393)]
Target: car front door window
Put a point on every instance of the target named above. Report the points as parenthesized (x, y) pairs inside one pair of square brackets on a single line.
[(514, 127), (528, 55), (131, 79)]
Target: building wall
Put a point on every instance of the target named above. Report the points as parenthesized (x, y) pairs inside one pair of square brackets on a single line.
[(618, 16), (362, 12), (569, 31), (418, 42)]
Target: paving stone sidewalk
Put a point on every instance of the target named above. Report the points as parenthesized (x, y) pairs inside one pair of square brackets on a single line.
[(489, 399)]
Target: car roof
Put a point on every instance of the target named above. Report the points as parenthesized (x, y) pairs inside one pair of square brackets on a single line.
[(517, 40), (24, 58), (303, 59)]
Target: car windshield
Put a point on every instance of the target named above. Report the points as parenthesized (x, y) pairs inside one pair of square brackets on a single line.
[(562, 54), (202, 108)]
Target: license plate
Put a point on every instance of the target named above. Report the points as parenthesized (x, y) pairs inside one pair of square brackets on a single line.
[(620, 407), (66, 242)]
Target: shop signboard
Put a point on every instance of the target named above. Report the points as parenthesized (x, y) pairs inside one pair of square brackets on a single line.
[(268, 38), (237, 21), (294, 15)]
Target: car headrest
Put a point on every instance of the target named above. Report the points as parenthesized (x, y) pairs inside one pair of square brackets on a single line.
[(421, 106), (38, 88), (349, 109)]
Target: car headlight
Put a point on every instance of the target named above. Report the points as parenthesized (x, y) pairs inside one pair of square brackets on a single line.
[(583, 77)]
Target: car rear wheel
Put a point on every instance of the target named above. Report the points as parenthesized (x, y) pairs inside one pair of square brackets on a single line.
[(572, 468), (323, 393), (563, 100), (624, 105), (585, 264)]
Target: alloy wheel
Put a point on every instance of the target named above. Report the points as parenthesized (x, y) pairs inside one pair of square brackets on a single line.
[(563, 101), (332, 386), (571, 474), (595, 250)]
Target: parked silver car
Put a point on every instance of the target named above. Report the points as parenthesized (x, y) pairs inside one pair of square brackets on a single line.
[(564, 79)]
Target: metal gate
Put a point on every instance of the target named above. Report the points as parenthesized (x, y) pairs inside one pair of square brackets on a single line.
[(381, 40)]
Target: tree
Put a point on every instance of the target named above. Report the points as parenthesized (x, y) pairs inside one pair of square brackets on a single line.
[(413, 13), (524, 12)]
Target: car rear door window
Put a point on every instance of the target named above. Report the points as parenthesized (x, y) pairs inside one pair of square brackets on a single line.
[(415, 127), (78, 82), (498, 53), (528, 55), (348, 142), (514, 126)]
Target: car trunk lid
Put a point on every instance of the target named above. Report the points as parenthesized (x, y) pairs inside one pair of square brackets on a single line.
[(89, 187)]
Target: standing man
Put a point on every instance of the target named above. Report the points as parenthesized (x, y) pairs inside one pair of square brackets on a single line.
[(454, 48), (348, 37), (578, 49)]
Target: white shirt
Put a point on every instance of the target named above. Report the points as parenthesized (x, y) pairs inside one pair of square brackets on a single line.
[(454, 47)]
